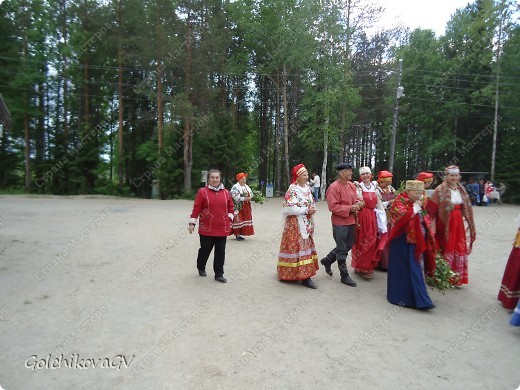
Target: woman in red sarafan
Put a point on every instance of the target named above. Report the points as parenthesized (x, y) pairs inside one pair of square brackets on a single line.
[(427, 179), (387, 194), (509, 294), (243, 220), (297, 259), (449, 206), (371, 227)]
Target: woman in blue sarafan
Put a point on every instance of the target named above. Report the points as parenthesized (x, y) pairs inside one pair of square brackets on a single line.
[(412, 250)]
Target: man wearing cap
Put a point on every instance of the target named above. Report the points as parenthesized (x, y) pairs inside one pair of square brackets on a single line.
[(343, 204)]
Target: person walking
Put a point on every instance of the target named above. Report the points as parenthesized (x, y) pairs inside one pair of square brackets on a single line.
[(412, 250), (509, 293), (427, 179), (343, 204), (297, 259), (387, 194), (243, 221), (213, 207), (449, 206), (371, 228)]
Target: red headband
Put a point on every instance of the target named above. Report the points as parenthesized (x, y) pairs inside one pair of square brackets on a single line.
[(297, 171), (426, 177), (240, 175)]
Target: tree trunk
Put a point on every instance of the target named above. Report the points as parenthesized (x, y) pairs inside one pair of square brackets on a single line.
[(325, 157), (120, 172), (263, 131), (27, 153), (286, 127), (188, 143), (277, 133), (160, 107)]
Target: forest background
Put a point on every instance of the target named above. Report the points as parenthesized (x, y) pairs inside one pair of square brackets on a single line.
[(121, 96)]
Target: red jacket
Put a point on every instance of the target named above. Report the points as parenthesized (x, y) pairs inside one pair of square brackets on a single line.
[(340, 198), (214, 209)]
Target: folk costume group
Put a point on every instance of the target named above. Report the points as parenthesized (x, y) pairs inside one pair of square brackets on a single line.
[(384, 230)]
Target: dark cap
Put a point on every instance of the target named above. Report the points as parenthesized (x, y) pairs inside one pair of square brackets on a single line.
[(341, 166)]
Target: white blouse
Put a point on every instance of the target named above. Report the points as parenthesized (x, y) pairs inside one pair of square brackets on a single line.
[(456, 198)]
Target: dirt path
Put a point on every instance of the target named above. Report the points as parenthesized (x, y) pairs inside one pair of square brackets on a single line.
[(111, 285)]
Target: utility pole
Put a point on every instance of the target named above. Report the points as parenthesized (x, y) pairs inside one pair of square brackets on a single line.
[(495, 122), (399, 94)]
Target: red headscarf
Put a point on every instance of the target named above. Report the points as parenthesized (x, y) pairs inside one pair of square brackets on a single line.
[(425, 177), (240, 175), (297, 171), (384, 176)]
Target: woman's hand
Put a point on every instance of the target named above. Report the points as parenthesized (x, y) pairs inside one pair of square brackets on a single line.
[(247, 199), (312, 210)]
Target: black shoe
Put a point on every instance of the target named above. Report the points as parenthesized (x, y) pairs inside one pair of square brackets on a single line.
[(202, 273), (309, 283), (240, 238), (327, 266), (221, 279), (346, 279)]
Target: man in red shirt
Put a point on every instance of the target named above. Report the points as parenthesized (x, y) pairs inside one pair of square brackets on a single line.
[(343, 204)]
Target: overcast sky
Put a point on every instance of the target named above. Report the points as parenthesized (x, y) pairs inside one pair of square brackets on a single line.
[(426, 14)]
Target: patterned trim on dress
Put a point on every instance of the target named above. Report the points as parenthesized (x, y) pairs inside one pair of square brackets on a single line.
[(298, 263)]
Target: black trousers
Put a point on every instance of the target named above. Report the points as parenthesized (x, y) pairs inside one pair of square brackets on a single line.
[(344, 238), (206, 246)]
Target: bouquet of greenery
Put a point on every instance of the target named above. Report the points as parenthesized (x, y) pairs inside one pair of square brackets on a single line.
[(443, 277), (258, 197)]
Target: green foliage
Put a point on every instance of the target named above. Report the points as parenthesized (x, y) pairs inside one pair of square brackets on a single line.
[(258, 197), (66, 65), (443, 277)]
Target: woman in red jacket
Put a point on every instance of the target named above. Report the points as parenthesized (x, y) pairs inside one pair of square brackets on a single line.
[(213, 207)]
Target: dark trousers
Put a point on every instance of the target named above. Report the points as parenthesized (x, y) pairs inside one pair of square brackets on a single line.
[(206, 246), (481, 198), (344, 238)]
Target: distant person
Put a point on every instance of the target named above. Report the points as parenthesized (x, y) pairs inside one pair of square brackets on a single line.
[(412, 250), (243, 221), (450, 206), (343, 204), (472, 189), (481, 192), (315, 183), (297, 258), (372, 225), (509, 293), (213, 207), (488, 189)]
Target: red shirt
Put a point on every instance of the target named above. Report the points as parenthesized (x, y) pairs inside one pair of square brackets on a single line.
[(214, 210), (340, 198)]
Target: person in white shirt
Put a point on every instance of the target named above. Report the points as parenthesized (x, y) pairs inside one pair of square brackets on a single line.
[(315, 183)]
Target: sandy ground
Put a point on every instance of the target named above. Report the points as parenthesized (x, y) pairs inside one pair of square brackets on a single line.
[(108, 288)]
